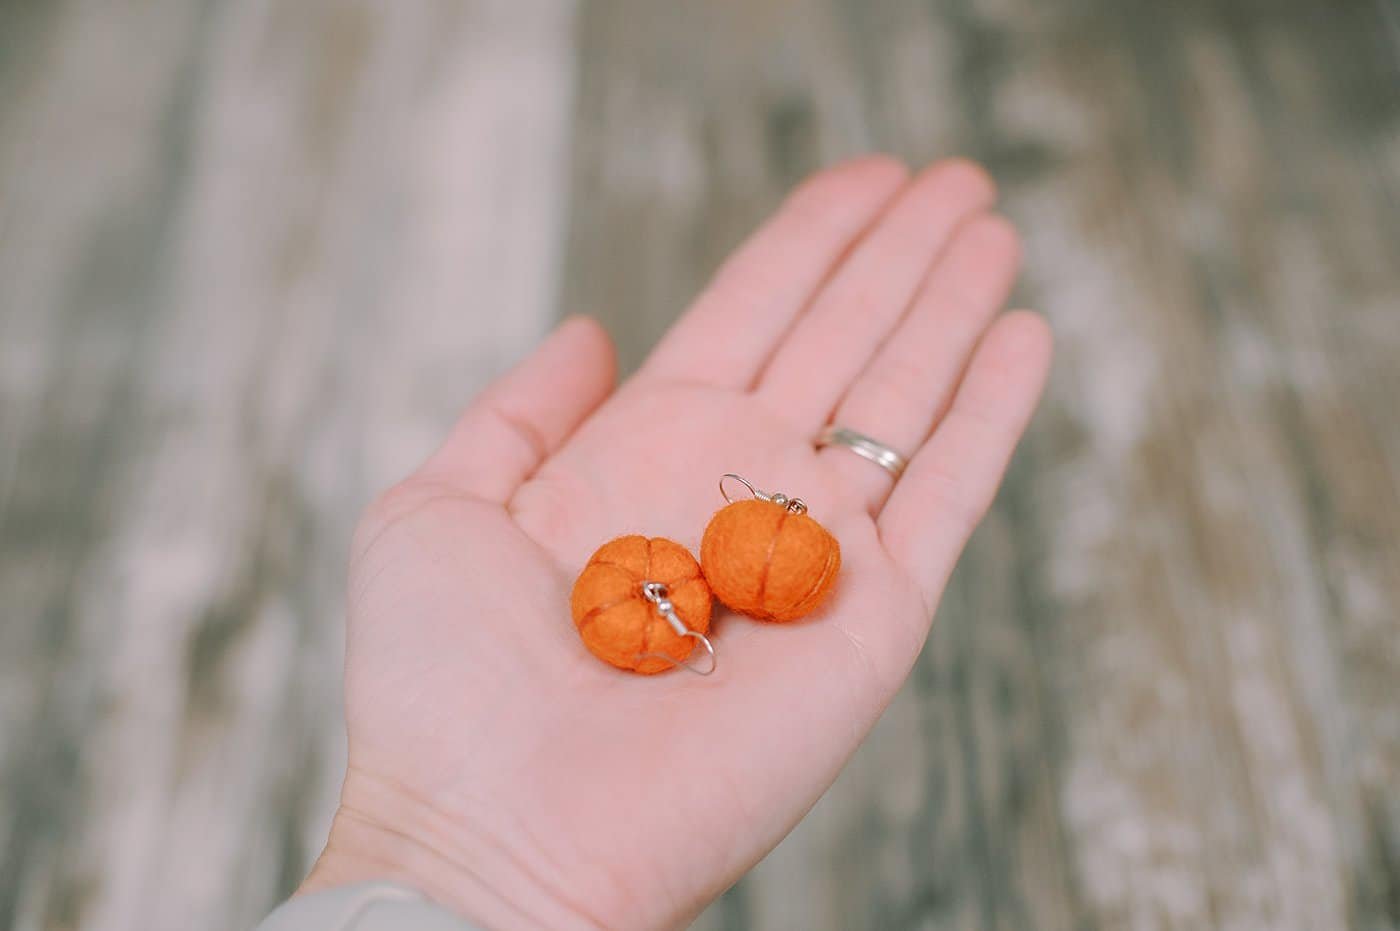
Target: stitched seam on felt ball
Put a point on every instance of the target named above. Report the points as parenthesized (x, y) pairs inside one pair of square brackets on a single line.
[(621, 568), (768, 563), (651, 615), (698, 621), (592, 614), (819, 583)]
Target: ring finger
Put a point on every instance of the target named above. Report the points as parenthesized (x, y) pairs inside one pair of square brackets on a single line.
[(904, 390)]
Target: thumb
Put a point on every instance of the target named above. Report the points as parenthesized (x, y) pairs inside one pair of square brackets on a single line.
[(521, 418)]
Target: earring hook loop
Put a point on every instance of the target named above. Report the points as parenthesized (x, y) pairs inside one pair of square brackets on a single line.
[(657, 594), (795, 505)]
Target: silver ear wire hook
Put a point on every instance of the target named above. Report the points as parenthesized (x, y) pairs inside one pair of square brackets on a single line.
[(795, 505), (656, 593)]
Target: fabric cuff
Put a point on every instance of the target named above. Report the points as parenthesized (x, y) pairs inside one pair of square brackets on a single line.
[(373, 906)]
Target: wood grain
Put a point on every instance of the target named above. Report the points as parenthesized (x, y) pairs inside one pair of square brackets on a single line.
[(266, 299), (254, 256)]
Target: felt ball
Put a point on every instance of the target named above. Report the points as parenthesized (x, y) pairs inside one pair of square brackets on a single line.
[(618, 624), (768, 562)]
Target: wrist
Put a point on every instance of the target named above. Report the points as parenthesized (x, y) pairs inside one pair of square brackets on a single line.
[(380, 834)]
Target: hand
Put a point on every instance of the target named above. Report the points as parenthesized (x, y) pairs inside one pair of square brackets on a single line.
[(499, 767)]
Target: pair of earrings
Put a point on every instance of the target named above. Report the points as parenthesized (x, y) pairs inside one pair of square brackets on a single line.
[(643, 603)]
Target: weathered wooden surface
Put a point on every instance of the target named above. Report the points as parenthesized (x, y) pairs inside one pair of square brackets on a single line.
[(253, 256)]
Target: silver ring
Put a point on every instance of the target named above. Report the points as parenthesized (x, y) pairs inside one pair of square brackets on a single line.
[(864, 446)]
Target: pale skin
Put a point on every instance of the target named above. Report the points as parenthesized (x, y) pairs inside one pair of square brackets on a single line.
[(498, 766)]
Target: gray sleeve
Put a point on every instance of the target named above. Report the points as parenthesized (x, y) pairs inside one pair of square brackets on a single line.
[(377, 906)]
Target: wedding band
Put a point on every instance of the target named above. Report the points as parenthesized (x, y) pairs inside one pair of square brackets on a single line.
[(864, 446)]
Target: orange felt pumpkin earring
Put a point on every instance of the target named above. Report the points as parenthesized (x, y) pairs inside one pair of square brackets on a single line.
[(764, 556), (642, 604)]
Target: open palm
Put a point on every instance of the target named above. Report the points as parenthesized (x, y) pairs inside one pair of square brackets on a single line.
[(494, 762)]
